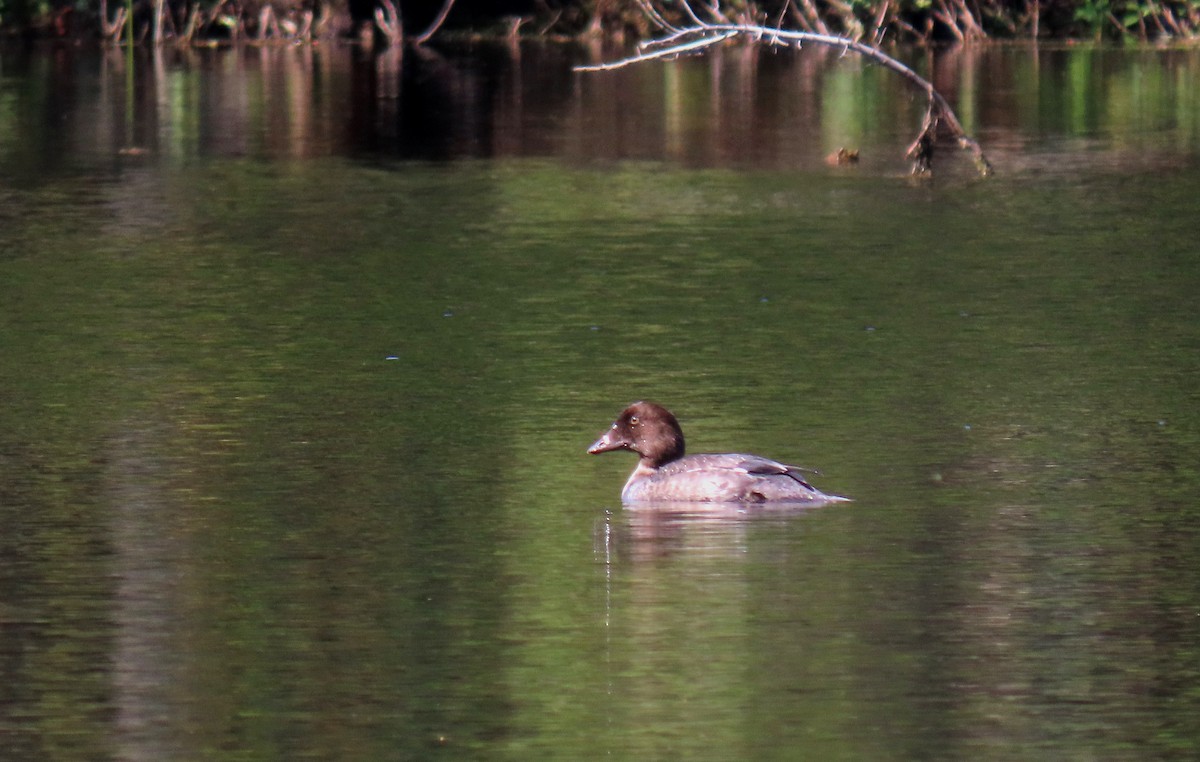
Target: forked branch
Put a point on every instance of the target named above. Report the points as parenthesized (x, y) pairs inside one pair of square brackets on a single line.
[(389, 23), (939, 117)]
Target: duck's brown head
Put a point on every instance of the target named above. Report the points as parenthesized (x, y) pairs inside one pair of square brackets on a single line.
[(646, 428)]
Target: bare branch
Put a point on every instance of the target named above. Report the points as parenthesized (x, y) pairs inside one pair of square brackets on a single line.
[(157, 33), (674, 50), (436, 24), (878, 25), (787, 4), (939, 117), (714, 8), (189, 28), (653, 14), (112, 30), (389, 22), (687, 9), (810, 18)]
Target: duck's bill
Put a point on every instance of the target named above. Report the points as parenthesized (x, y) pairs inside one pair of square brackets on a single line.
[(605, 444)]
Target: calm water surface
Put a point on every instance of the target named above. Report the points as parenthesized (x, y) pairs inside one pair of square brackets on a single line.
[(302, 349)]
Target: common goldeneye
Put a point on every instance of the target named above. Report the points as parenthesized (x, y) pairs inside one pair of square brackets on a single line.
[(664, 474)]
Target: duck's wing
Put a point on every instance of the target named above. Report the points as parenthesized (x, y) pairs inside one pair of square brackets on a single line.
[(739, 463), (752, 464)]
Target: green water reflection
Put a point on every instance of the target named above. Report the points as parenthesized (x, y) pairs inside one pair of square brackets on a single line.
[(291, 444)]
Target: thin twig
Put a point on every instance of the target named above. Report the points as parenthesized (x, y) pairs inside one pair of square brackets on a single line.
[(436, 24), (691, 14), (877, 26), (668, 40), (674, 50), (815, 22), (653, 14), (782, 12)]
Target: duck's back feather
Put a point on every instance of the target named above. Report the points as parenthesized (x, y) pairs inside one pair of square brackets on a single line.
[(723, 477)]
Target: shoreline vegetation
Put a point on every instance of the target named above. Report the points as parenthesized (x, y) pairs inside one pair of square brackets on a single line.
[(397, 22)]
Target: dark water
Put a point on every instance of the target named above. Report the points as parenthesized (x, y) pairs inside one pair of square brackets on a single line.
[(301, 350)]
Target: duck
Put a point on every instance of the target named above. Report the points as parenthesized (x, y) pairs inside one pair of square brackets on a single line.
[(665, 474)]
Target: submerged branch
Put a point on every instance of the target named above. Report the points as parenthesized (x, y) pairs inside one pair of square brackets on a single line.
[(939, 117)]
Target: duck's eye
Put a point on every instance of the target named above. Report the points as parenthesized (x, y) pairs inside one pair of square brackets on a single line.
[(633, 420)]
